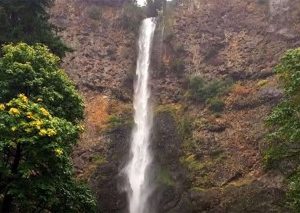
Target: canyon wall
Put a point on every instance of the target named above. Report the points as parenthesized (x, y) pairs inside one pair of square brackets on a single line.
[(205, 161)]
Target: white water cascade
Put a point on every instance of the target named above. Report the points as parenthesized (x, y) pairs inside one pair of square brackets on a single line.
[(136, 170)]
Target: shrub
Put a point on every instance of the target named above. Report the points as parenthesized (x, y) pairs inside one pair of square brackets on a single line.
[(285, 117), (293, 195), (184, 126), (201, 90), (115, 121), (216, 105), (285, 135)]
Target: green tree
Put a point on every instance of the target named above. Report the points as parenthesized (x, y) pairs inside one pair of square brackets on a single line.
[(202, 90), (35, 168), (28, 21), (35, 72), (285, 117), (285, 123)]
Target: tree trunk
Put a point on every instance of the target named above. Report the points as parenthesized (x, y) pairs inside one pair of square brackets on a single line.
[(8, 199)]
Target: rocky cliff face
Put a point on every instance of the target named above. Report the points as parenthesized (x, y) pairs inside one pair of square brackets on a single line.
[(101, 64), (241, 41), (205, 161)]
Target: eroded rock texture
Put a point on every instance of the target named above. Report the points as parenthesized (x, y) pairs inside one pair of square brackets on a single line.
[(204, 161)]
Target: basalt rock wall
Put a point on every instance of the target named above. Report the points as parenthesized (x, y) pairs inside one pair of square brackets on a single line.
[(205, 161)]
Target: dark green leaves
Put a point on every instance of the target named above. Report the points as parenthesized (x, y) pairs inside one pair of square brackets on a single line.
[(284, 148), (27, 21)]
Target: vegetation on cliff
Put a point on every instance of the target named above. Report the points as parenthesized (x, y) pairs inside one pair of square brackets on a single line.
[(201, 91), (285, 121)]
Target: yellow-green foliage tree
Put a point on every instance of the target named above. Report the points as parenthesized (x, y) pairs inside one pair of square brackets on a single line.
[(37, 132), (35, 72), (35, 168)]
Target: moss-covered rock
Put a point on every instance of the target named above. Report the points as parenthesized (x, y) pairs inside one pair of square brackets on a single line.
[(167, 172), (108, 181)]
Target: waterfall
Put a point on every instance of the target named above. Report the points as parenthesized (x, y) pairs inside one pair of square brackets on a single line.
[(136, 170)]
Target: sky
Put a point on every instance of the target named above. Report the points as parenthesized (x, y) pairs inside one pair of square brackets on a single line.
[(142, 2)]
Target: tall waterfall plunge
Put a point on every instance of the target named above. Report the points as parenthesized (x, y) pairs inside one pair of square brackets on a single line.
[(136, 170)]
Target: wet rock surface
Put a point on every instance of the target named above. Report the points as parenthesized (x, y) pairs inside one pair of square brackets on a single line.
[(170, 176), (223, 155), (108, 181)]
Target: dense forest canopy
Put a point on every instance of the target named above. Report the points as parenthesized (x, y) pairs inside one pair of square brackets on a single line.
[(27, 21)]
